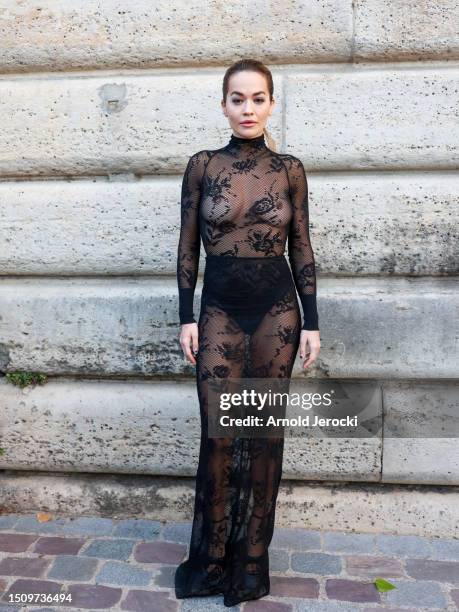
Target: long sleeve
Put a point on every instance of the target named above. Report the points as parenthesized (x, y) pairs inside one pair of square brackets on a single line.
[(190, 240), (300, 253)]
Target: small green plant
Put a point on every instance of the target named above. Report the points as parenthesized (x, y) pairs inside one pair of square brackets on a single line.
[(383, 586), (2, 451), (24, 379)]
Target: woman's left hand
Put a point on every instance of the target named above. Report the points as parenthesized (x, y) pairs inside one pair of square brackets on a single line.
[(309, 346)]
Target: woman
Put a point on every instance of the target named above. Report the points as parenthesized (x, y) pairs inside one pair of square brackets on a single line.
[(244, 200)]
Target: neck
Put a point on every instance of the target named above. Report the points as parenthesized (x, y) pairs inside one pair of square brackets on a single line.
[(257, 141)]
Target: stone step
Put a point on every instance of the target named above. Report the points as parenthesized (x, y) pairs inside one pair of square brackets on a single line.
[(374, 328), (429, 511), (103, 124), (102, 36), (153, 427), (360, 224)]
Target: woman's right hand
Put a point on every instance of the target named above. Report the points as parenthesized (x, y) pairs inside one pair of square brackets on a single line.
[(189, 341)]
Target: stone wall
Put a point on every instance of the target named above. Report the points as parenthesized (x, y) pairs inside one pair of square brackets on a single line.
[(101, 106)]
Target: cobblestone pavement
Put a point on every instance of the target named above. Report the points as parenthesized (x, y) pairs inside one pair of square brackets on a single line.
[(130, 564)]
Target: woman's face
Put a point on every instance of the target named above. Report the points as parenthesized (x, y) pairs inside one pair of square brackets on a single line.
[(247, 100)]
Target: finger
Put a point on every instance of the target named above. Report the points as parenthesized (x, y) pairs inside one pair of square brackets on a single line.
[(311, 358), (303, 348), (185, 342), (189, 355), (195, 344)]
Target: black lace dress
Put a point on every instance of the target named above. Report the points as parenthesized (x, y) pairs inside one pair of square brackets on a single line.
[(243, 200)]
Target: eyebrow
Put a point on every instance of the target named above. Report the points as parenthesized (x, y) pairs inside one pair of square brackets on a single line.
[(241, 94)]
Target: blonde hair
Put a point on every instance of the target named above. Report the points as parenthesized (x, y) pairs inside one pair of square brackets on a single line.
[(271, 143), (256, 66)]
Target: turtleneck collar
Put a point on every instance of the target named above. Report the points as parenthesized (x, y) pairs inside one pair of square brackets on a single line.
[(256, 143)]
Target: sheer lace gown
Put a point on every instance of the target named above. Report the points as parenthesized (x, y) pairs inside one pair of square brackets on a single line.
[(243, 201)]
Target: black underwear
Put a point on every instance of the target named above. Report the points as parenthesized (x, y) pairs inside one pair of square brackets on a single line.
[(246, 288)]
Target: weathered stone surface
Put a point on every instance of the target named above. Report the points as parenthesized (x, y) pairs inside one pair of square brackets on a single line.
[(428, 569), (32, 567), (137, 528), (421, 460), (130, 326), (372, 223), (421, 428), (370, 508), (299, 539), (15, 542), (455, 596), (117, 128), (131, 321), (348, 543), (154, 428), (58, 546), (72, 567), (351, 590), (445, 548), (120, 549), (167, 553), (333, 459), (368, 566), (26, 586), (316, 563), (121, 573), (132, 124), (294, 586), (141, 600), (166, 576), (177, 532), (424, 410), (269, 606), (150, 428), (94, 595), (422, 594), (400, 545), (406, 30), (59, 35), (112, 124), (365, 118), (90, 227)]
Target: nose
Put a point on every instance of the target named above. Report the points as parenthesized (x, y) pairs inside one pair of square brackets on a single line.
[(248, 108)]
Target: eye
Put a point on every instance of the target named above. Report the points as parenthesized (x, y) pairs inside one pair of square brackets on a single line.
[(260, 100)]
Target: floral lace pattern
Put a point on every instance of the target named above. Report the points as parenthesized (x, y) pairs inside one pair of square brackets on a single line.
[(243, 201)]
